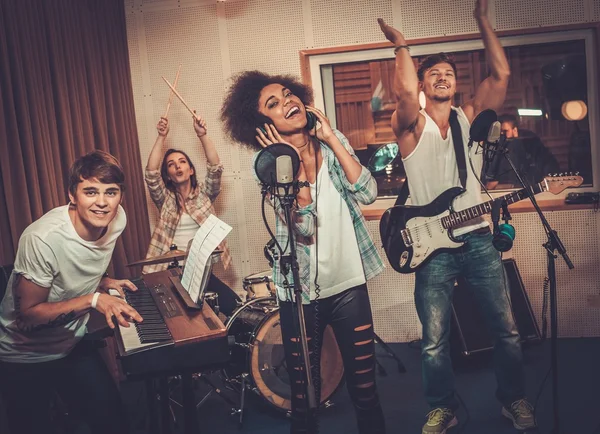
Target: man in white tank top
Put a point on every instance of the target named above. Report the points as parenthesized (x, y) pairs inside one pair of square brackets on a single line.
[(426, 145)]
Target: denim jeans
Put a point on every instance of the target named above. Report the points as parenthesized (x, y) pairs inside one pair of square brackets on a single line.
[(480, 266), (82, 381)]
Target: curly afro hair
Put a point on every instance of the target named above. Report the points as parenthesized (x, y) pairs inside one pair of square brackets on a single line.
[(240, 113)]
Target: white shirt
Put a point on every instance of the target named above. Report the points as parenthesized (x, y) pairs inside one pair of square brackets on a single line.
[(186, 230), (52, 255), (340, 266), (431, 169)]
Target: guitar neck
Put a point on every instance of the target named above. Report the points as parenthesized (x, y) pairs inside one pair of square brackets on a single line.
[(457, 218)]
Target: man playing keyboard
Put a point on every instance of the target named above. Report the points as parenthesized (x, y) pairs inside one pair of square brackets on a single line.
[(58, 278)]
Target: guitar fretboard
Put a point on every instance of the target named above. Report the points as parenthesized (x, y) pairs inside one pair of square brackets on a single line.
[(456, 218)]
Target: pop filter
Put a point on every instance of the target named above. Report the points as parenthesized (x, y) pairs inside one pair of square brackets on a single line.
[(265, 164), (481, 125)]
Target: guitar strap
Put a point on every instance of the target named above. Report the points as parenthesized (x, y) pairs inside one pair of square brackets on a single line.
[(459, 150)]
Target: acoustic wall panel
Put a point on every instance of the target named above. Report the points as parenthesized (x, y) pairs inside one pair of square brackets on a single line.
[(188, 36), (514, 14), (257, 234), (265, 35), (421, 18), (344, 22), (576, 229)]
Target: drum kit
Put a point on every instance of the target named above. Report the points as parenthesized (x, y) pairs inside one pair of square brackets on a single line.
[(257, 360)]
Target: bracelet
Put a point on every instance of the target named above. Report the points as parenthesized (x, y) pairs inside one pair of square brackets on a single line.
[(303, 184), (95, 299), (399, 47)]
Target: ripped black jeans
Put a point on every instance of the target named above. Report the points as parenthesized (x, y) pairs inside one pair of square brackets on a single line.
[(349, 314)]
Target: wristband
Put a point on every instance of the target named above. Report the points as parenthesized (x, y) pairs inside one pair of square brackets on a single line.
[(399, 47), (95, 299)]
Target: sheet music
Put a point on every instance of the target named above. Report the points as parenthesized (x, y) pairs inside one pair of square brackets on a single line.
[(206, 240)]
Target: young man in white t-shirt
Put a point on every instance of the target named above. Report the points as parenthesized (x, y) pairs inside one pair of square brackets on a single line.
[(58, 278), (427, 148)]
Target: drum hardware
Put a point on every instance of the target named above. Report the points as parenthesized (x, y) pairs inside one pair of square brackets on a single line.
[(214, 389), (258, 361)]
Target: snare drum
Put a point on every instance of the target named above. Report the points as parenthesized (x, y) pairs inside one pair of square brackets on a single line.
[(258, 352), (259, 285)]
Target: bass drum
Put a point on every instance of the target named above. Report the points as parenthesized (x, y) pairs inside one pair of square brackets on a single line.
[(258, 352)]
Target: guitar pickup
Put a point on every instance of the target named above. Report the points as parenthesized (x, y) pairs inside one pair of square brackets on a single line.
[(406, 238)]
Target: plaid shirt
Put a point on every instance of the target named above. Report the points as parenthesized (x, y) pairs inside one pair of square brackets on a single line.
[(199, 204), (363, 191)]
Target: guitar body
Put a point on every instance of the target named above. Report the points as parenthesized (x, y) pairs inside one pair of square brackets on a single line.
[(412, 234)]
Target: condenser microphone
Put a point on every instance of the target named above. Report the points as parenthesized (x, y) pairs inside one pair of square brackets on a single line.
[(491, 145), (284, 174)]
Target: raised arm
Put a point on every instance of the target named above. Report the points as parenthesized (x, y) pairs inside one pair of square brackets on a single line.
[(492, 91), (156, 155), (214, 172), (405, 119)]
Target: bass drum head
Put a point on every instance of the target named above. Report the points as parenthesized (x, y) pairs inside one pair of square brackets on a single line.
[(268, 368)]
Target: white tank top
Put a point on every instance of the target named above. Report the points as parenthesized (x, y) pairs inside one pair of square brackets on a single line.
[(186, 229), (431, 169)]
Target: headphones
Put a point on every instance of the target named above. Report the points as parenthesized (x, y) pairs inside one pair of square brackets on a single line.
[(504, 234)]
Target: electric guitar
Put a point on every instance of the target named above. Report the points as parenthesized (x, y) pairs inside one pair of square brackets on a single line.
[(413, 234)]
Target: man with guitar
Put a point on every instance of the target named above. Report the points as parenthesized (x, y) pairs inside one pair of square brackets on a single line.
[(427, 140)]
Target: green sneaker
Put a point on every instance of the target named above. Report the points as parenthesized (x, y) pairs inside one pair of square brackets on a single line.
[(439, 420), (521, 414)]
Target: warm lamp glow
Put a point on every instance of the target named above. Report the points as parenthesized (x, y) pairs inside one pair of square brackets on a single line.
[(574, 110)]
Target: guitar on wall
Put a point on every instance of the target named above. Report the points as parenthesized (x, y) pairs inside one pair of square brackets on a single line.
[(413, 234)]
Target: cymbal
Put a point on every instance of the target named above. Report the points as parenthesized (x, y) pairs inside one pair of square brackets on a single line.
[(173, 255), (167, 257)]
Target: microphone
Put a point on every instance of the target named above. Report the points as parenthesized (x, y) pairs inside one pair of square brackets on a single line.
[(480, 127), (276, 167), (504, 234), (492, 145), (285, 174)]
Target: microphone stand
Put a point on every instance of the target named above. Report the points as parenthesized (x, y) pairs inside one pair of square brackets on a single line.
[(552, 244), (287, 200)]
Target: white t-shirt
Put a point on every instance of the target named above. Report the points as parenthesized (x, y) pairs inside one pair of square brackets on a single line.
[(52, 255), (186, 230), (431, 169), (340, 265)]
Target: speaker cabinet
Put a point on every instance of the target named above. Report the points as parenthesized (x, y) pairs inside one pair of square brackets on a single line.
[(469, 334)]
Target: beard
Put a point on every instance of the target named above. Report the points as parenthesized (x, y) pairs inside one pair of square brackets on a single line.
[(440, 98)]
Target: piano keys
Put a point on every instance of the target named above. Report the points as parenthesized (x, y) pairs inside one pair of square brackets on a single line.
[(172, 338)]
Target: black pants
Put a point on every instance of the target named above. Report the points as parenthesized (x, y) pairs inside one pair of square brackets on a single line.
[(81, 380), (228, 299), (349, 314)]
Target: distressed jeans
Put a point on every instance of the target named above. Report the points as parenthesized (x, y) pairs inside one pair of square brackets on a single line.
[(480, 266)]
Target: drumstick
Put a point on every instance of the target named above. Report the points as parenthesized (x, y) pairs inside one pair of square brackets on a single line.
[(180, 98), (171, 93)]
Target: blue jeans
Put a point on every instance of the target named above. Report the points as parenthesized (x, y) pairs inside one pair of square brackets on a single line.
[(479, 264)]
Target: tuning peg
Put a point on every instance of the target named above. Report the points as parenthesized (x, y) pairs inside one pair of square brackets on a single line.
[(576, 173)]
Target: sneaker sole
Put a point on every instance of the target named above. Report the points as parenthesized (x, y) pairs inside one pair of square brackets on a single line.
[(451, 424), (509, 416)]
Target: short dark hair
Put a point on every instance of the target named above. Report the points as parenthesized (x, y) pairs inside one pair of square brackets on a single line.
[(240, 113), (432, 60), (96, 164), (507, 117), (165, 175)]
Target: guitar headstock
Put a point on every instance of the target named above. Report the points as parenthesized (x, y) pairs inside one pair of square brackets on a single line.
[(558, 182)]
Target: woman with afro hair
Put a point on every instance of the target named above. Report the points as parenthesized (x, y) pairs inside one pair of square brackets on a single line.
[(335, 252)]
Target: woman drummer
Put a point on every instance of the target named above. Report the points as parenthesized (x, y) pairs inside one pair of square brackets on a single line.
[(335, 253), (183, 203)]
